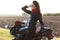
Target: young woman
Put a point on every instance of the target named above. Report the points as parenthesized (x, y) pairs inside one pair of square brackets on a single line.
[(35, 15)]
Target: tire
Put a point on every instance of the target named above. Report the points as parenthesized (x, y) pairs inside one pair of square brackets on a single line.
[(44, 38)]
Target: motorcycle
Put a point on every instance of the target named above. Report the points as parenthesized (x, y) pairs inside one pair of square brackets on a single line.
[(45, 34)]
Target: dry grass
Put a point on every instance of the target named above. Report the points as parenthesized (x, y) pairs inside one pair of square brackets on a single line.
[(53, 22), (4, 34)]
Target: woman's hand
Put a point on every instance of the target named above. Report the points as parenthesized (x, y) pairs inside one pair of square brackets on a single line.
[(37, 29), (30, 6)]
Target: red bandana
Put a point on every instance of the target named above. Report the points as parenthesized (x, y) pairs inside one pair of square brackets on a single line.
[(33, 11)]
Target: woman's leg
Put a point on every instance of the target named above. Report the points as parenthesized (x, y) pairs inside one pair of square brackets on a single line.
[(31, 30)]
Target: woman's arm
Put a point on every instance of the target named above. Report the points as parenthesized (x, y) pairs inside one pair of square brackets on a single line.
[(24, 9)]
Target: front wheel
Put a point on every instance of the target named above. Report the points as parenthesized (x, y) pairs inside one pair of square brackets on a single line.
[(45, 38)]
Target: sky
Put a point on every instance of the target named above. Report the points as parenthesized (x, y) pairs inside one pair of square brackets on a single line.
[(13, 7)]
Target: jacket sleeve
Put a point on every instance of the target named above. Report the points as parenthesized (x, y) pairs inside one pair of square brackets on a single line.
[(27, 11)]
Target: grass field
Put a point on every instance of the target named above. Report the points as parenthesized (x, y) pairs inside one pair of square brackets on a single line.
[(5, 35)]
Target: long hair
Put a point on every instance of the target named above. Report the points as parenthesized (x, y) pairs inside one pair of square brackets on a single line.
[(37, 6)]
